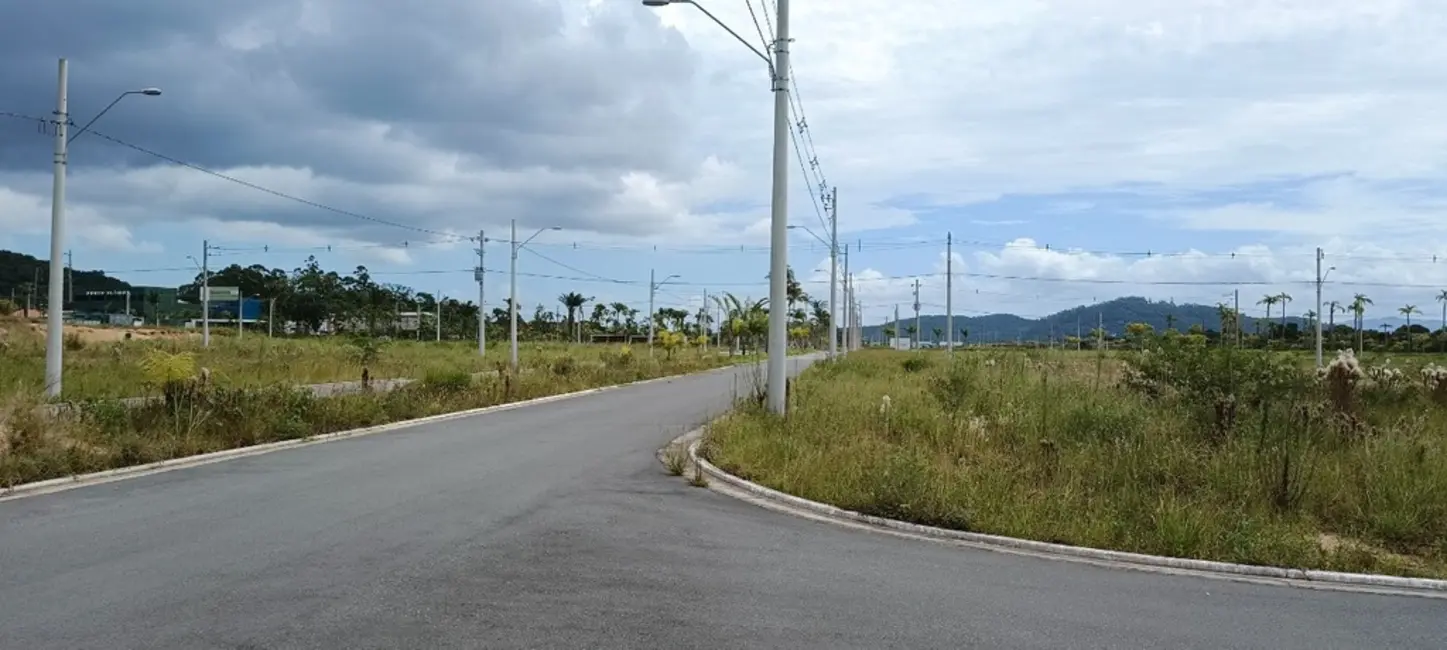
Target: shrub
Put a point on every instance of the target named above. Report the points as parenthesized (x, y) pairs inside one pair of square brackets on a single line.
[(917, 363), (447, 381), (564, 366), (7, 307), (73, 342)]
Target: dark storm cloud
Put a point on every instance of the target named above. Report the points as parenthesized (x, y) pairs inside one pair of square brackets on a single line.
[(504, 84)]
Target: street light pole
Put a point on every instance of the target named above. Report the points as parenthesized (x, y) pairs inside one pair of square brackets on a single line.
[(54, 326), (778, 340), (481, 295), (513, 300)]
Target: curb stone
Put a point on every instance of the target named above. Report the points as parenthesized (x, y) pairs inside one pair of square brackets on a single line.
[(63, 483), (1299, 578)]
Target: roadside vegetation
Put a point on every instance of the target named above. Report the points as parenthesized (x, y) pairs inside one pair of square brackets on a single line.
[(1173, 448), (253, 398)]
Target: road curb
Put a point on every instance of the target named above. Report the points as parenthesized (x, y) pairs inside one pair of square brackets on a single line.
[(1302, 578), (49, 486)]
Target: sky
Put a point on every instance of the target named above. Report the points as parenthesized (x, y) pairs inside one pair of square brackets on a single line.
[(1072, 151)]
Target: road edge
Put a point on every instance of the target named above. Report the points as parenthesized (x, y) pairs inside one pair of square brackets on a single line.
[(1298, 578), (50, 486)]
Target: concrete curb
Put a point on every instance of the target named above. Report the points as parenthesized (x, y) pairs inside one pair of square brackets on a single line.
[(1303, 578), (106, 476)]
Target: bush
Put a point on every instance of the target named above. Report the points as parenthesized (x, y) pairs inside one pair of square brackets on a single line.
[(564, 366), (73, 342), (7, 307), (447, 381), (916, 363)]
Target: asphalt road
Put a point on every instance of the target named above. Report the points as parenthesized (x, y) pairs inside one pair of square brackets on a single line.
[(555, 527)]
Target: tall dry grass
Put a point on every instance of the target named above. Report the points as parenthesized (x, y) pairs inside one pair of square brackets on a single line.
[(1181, 451), (199, 416)]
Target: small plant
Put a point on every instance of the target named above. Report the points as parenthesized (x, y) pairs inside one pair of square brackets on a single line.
[(73, 342), (675, 458), (565, 366), (917, 363), (1341, 377), (6, 307), (173, 373), (447, 382), (670, 342)]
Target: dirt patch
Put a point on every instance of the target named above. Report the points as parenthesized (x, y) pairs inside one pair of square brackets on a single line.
[(91, 334)]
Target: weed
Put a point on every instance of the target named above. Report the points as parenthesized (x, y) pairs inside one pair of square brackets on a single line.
[(1181, 450)]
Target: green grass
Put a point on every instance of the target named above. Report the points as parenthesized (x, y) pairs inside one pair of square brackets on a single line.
[(1123, 451), (196, 418)]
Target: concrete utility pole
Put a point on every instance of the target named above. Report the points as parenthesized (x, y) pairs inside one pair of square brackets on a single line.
[(439, 318), (918, 335), (834, 274), (848, 305), (653, 291), (70, 274), (950, 293), (1321, 278), (1236, 305), (54, 326), (205, 293), (479, 274), (895, 342)]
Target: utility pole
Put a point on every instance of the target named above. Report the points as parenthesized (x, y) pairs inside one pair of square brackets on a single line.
[(205, 294), (1318, 308), (652, 288), (848, 305), (439, 318), (918, 335), (1236, 305), (478, 275), (779, 221), (1100, 330), (70, 274), (54, 326), (270, 317), (513, 293), (703, 325), (950, 293), (833, 275), (895, 342)]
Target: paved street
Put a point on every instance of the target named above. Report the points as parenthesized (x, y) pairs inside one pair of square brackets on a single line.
[(554, 526)]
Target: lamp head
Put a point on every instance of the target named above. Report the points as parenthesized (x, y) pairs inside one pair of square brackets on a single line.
[(657, 3), (150, 92)]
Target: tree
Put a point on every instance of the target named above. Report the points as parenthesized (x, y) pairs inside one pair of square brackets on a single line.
[(1407, 311), (1331, 310), (1269, 301), (1285, 298), (939, 333), (1442, 298), (573, 302), (1359, 308)]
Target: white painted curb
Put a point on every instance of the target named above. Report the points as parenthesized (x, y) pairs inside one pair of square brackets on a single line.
[(80, 480), (1292, 577)]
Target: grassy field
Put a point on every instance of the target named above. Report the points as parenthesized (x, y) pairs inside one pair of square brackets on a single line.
[(1188, 452), (197, 416), (107, 367)]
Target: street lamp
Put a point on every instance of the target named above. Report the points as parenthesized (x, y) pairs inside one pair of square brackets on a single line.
[(653, 289), (148, 92), (54, 326), (833, 247), (1321, 278), (779, 217), (513, 300)]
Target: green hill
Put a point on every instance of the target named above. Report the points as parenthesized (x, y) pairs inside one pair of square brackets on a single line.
[(24, 277), (1113, 315)]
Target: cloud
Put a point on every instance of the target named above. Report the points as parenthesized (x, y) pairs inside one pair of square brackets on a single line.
[(1265, 129)]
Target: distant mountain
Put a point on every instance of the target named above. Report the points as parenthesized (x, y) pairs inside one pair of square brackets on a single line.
[(1113, 315)]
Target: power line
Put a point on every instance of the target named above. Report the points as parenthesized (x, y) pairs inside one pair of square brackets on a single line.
[(276, 193)]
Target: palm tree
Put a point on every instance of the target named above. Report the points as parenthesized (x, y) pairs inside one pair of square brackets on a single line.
[(1332, 308), (574, 302), (938, 332), (1269, 301), (1359, 309), (1408, 310), (1228, 318), (1170, 321), (1284, 298), (1310, 316), (1442, 298)]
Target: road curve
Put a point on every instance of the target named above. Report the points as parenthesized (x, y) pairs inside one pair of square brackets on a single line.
[(554, 526)]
